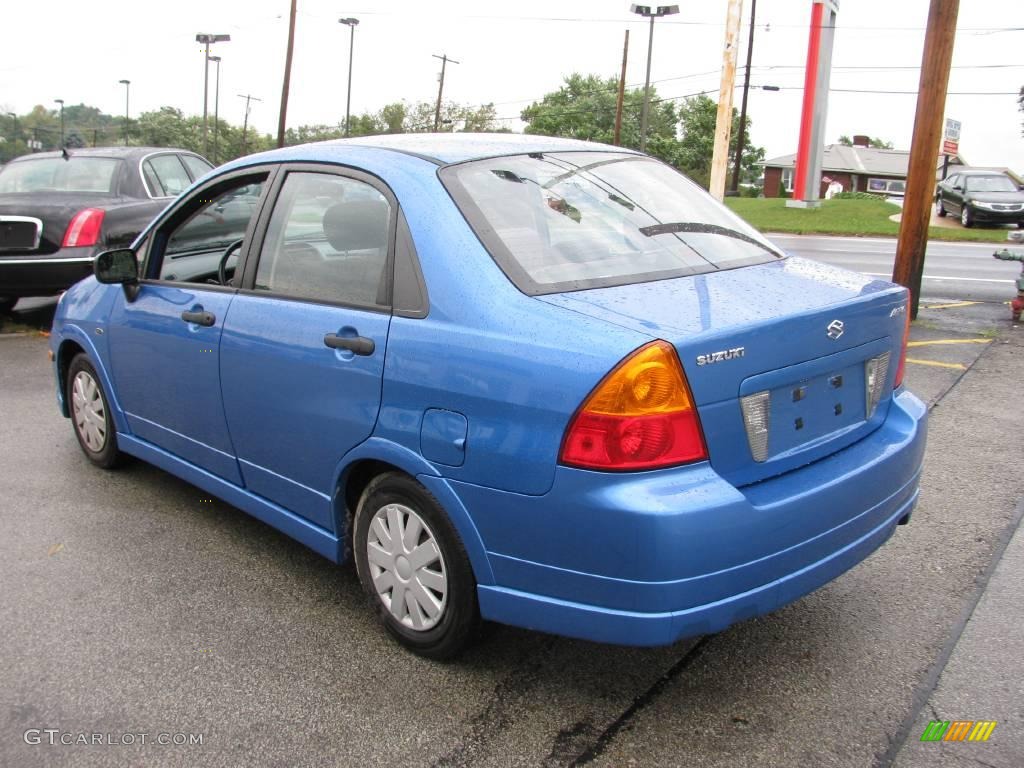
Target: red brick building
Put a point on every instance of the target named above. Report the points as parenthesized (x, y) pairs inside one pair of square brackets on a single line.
[(859, 168)]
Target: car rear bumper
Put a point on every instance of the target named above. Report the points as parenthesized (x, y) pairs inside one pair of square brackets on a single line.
[(650, 558), (28, 275)]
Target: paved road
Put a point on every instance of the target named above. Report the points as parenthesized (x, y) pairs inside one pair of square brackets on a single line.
[(952, 270), (132, 603)]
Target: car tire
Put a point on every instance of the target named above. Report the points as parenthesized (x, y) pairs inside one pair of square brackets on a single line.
[(965, 216), (90, 414), (940, 209), (7, 305), (428, 603)]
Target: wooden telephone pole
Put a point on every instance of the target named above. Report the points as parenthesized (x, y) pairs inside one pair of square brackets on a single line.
[(617, 140), (723, 123), (440, 88), (924, 149), (287, 78)]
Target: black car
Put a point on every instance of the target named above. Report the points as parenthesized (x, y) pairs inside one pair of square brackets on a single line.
[(980, 196), (59, 209)]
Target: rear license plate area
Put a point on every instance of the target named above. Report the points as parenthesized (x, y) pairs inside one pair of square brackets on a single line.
[(19, 233), (814, 409)]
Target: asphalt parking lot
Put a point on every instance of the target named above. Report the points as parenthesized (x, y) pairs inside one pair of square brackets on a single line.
[(132, 603)]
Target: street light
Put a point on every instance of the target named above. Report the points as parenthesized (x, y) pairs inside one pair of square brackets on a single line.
[(14, 117), (652, 13), (61, 102), (208, 40), (126, 84), (351, 24), (216, 108)]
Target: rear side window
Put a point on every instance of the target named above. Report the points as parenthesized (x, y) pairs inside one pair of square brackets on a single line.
[(568, 221), (165, 176), (196, 166), (55, 174), (327, 240)]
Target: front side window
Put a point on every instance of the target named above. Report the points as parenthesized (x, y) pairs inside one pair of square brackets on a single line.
[(55, 174), (327, 240), (574, 220), (192, 249)]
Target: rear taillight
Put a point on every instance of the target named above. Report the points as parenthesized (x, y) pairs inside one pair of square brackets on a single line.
[(84, 229), (641, 416), (903, 350)]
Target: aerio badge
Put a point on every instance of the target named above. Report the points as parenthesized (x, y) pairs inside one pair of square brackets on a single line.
[(835, 329)]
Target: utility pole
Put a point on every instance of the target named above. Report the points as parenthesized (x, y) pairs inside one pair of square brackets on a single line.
[(743, 104), (723, 122), (617, 141), (287, 77), (245, 123), (440, 88), (936, 60)]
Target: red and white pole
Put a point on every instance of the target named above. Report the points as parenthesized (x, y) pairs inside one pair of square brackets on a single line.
[(807, 182)]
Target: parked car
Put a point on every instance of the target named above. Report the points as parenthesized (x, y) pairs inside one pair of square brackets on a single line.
[(59, 209), (980, 196), (545, 382)]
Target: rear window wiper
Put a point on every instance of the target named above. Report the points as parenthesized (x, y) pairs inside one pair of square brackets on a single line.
[(675, 227)]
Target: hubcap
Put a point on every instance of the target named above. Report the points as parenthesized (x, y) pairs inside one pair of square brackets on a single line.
[(406, 566), (88, 411)]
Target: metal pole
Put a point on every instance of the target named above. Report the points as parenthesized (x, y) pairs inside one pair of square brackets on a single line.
[(617, 140), (348, 97), (127, 86), (206, 93), (440, 89), (216, 110), (740, 139), (647, 91), (61, 102)]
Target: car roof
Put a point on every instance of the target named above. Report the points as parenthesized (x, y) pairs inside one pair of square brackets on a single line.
[(111, 152), (445, 148), (973, 172)]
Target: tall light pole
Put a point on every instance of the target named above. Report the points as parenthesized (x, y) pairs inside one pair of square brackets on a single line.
[(126, 84), (652, 13), (351, 24), (14, 117), (61, 102), (216, 107), (207, 40)]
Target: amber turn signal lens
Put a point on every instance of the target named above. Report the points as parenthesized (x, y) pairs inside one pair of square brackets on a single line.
[(641, 416)]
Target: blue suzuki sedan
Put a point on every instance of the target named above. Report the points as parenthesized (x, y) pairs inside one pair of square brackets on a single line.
[(542, 382)]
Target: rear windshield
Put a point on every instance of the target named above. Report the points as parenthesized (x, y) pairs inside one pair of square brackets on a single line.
[(55, 174), (568, 221)]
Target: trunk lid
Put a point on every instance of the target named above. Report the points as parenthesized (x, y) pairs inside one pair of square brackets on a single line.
[(53, 209), (800, 331)]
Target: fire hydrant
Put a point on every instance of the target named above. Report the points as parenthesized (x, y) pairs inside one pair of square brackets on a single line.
[(1017, 305)]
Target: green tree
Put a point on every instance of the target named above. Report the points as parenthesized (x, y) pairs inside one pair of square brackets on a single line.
[(584, 108), (876, 143), (697, 118)]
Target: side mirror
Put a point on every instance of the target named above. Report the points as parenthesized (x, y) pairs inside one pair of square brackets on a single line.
[(119, 267), (116, 267)]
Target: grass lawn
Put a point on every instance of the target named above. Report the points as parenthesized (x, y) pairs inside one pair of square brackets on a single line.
[(856, 217)]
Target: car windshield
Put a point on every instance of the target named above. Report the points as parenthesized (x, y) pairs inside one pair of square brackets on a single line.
[(990, 184), (55, 174), (573, 220)]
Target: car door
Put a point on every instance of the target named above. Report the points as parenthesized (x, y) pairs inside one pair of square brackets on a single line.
[(954, 193), (302, 354), (165, 339)]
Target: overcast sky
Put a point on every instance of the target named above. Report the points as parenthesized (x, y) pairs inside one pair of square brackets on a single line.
[(511, 54)]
